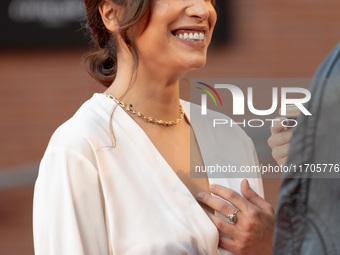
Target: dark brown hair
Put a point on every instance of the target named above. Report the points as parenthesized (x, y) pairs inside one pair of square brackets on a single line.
[(101, 61)]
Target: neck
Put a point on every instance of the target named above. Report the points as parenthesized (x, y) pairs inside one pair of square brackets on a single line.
[(156, 96), (158, 100)]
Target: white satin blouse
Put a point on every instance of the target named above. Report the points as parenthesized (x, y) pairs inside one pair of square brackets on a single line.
[(93, 199)]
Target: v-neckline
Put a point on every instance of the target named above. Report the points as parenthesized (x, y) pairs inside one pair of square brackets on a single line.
[(128, 120), (159, 155), (157, 152)]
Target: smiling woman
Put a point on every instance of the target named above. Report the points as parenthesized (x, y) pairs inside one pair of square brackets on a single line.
[(115, 178)]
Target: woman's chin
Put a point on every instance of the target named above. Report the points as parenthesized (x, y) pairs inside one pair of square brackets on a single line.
[(195, 65)]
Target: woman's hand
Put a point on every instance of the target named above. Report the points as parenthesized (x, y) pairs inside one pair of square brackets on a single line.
[(252, 233), (279, 141)]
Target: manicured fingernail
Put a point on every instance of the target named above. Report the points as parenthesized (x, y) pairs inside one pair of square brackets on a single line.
[(200, 196), (212, 186)]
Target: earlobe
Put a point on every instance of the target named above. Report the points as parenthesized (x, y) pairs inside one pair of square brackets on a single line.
[(110, 13)]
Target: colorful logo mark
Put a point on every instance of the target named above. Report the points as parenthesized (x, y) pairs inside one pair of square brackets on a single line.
[(209, 93)]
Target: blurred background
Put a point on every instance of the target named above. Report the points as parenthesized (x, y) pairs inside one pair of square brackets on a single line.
[(43, 82)]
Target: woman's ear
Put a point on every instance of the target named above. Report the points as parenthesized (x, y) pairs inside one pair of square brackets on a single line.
[(110, 13)]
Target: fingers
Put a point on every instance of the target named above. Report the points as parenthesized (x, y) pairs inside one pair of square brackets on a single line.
[(215, 203), (227, 244), (254, 198), (226, 230), (281, 151), (279, 142), (276, 126), (229, 195), (280, 138), (220, 224), (253, 230), (282, 161), (280, 154)]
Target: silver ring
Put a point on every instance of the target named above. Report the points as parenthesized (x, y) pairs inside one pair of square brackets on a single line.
[(232, 218)]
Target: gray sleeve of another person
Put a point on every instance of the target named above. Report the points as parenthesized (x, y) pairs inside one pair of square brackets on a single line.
[(308, 212)]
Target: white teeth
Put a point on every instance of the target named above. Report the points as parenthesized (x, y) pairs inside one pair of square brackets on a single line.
[(191, 36)]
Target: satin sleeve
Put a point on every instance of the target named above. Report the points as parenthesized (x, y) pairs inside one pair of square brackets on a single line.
[(68, 207)]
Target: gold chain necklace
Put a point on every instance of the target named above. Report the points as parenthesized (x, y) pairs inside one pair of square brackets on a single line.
[(147, 118)]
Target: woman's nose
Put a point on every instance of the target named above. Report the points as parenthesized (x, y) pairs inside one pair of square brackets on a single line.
[(198, 9)]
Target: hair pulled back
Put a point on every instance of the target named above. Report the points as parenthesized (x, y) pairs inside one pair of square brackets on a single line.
[(101, 61)]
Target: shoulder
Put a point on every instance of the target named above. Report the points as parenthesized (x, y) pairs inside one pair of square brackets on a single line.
[(86, 131)]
